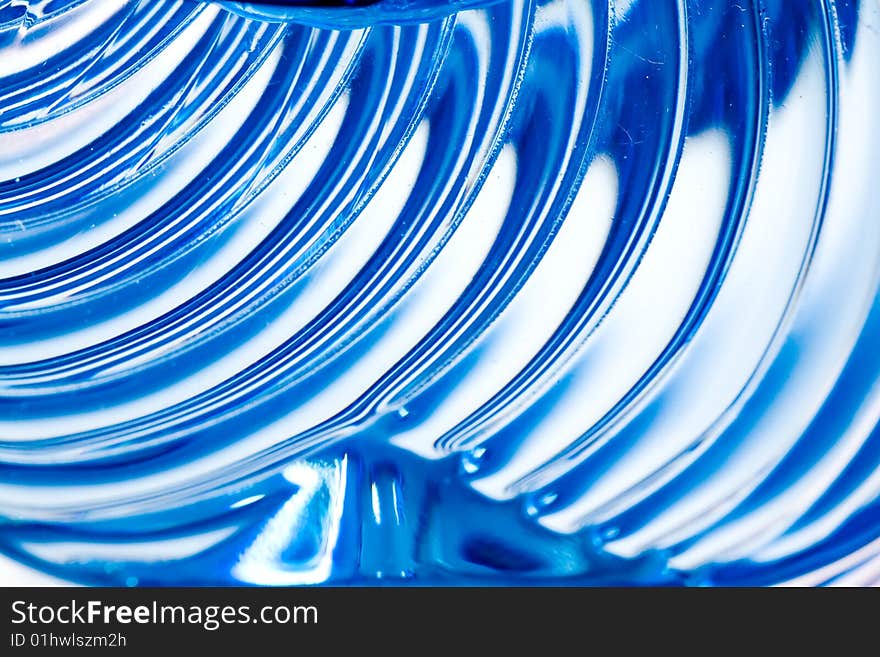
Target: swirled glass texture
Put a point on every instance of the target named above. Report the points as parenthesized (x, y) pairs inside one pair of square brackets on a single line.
[(440, 291)]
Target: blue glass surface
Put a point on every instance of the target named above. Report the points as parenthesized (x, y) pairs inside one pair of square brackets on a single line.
[(440, 291)]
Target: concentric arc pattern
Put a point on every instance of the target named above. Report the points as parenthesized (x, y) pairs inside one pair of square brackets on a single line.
[(440, 291)]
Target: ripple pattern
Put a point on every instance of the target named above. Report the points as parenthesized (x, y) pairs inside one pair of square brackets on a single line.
[(524, 291)]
